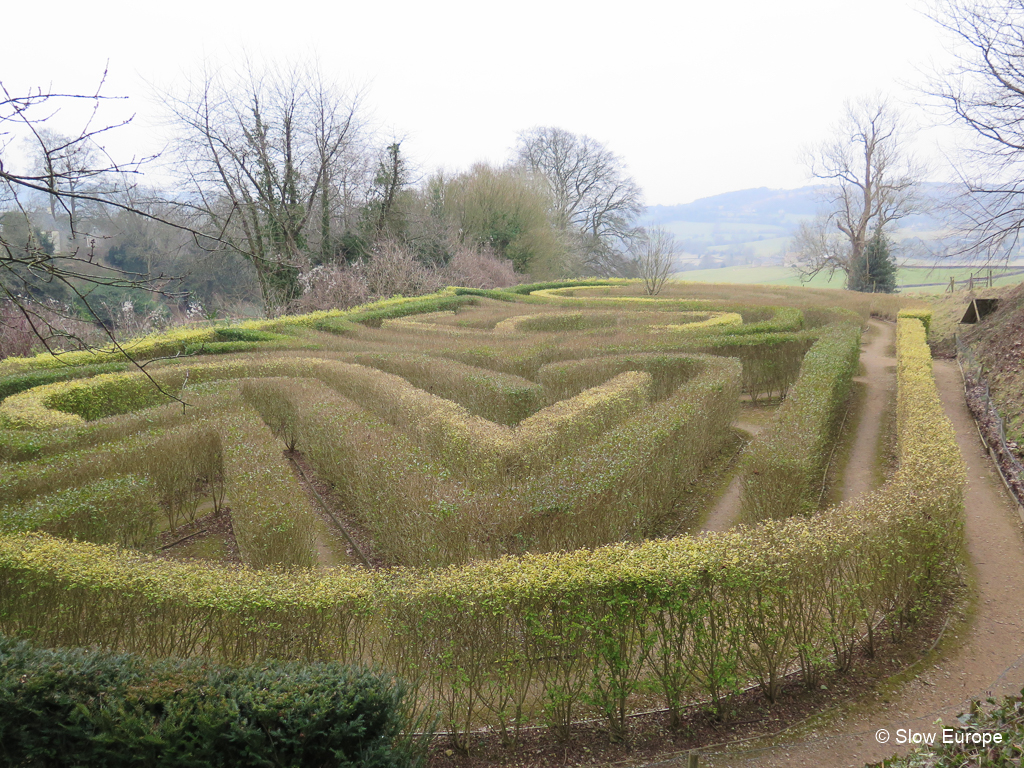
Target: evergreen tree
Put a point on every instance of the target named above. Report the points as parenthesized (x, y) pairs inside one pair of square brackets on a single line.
[(874, 270)]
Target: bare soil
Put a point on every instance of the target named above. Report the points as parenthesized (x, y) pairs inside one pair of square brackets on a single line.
[(209, 533)]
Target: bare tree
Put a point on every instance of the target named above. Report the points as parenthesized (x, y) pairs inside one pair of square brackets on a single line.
[(69, 164), (45, 291), (259, 151), (984, 91), (595, 200), (873, 183), (654, 256)]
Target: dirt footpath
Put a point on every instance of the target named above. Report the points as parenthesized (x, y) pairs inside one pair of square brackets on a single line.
[(979, 660), (879, 381)]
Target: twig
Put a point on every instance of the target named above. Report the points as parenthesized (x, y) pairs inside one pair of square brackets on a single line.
[(185, 538)]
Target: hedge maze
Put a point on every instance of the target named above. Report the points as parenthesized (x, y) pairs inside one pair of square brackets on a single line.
[(517, 461)]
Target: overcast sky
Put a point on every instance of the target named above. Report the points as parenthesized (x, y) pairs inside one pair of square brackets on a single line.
[(698, 98)]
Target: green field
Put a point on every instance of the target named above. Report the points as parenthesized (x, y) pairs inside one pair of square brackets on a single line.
[(908, 276)]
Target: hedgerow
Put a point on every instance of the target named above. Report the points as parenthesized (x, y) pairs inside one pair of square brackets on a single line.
[(420, 508), (623, 484), (69, 404), (539, 636), (32, 444), (177, 341), (784, 466), (270, 514), (11, 385), (502, 398), (24, 480), (118, 510), (374, 317), (565, 379), (771, 361), (924, 315)]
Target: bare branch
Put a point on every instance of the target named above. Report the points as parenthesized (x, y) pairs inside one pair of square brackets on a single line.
[(984, 92), (874, 184), (595, 201)]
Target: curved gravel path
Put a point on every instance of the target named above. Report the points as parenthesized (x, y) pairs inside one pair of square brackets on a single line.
[(984, 658)]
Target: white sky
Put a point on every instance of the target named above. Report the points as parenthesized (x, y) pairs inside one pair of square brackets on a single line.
[(697, 98)]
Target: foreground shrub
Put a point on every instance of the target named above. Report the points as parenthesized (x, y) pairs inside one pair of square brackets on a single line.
[(988, 734), (97, 709)]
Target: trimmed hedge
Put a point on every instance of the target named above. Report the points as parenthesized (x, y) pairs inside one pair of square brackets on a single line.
[(117, 510), (924, 315), (69, 404), (374, 317), (608, 462), (103, 710), (498, 397), (626, 483), (19, 382), (541, 636), (784, 466), (180, 340), (273, 520)]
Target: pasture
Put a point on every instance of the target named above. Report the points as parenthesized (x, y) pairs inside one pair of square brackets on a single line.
[(910, 279)]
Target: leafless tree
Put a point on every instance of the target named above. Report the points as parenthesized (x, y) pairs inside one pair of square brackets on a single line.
[(69, 164), (872, 180), (394, 270), (261, 151), (595, 200), (984, 91), (43, 290), (654, 256)]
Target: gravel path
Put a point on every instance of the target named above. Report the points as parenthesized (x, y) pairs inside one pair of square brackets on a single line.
[(879, 381)]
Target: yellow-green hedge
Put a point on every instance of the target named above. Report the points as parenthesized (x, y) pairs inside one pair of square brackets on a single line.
[(784, 466), (498, 642), (924, 315)]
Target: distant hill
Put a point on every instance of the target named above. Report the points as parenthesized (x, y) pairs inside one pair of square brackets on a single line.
[(755, 225), (770, 207)]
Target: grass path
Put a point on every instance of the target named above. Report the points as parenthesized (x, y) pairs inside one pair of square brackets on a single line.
[(980, 656)]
